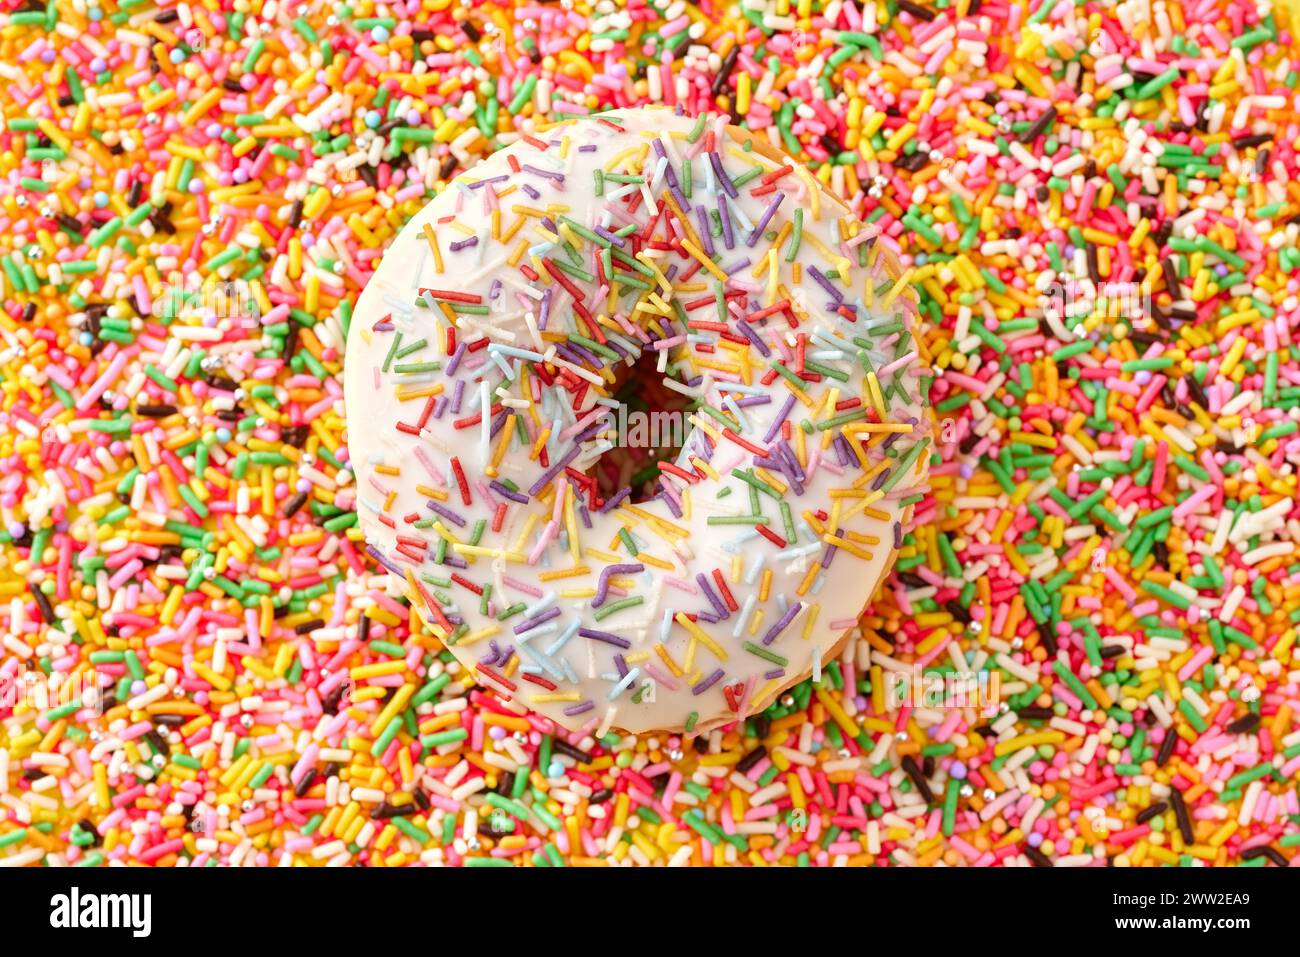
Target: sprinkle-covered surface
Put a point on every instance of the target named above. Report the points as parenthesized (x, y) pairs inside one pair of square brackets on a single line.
[(685, 591), (1097, 205)]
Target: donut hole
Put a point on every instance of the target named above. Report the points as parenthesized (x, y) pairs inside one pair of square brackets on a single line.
[(649, 426)]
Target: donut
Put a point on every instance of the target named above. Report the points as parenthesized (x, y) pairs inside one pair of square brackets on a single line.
[(618, 265)]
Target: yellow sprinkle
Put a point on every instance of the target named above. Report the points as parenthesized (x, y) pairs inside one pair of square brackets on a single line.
[(662, 652), (707, 263), (700, 635), (432, 238)]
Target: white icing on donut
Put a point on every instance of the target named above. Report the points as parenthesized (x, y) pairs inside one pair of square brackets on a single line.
[(718, 618)]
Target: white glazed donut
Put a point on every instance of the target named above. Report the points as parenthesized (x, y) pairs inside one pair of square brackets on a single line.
[(557, 261)]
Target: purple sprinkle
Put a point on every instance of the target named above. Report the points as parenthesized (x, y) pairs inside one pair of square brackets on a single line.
[(544, 311), (714, 600), (621, 664), (576, 353), (604, 636), (842, 450), (780, 416), (751, 400), (440, 406), (588, 148), (781, 625), (379, 556), (589, 433), (577, 709), (456, 356), (765, 219), (505, 492), (831, 550), (728, 239), (788, 456), (605, 234), (774, 674), (554, 470), (457, 396), (789, 471), (534, 622), (531, 190), (528, 167), (602, 586), (669, 173), (706, 233), (708, 682), (447, 513), (499, 421), (671, 503), (463, 244), (618, 496), (825, 283), (728, 186), (760, 345)]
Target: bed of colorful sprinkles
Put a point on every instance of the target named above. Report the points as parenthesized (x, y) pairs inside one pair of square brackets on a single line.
[(1098, 204)]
